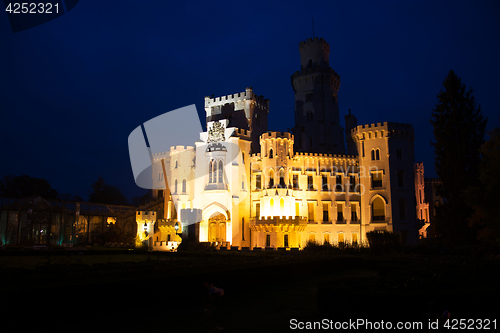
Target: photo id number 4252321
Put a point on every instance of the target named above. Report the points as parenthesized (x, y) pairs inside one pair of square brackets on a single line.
[(478, 324), (32, 8)]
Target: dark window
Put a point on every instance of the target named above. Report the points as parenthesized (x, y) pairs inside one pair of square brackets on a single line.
[(310, 63), (160, 193), (257, 210), (340, 213), (258, 182), (338, 183), (295, 181), (221, 169), (309, 97), (376, 179), (352, 183), (285, 240), (377, 153), (401, 178), (399, 153), (373, 154), (310, 185), (183, 186), (268, 240), (324, 183), (271, 153), (282, 179), (402, 212), (271, 178), (325, 213)]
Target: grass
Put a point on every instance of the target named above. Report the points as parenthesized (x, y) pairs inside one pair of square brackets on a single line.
[(263, 291)]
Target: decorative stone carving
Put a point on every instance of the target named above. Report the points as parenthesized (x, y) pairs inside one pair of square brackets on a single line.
[(216, 133)]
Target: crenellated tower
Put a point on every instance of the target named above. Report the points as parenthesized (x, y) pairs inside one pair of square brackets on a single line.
[(317, 127), (244, 110)]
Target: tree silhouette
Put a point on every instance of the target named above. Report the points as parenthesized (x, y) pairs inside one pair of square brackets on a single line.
[(106, 194), (25, 186), (483, 197), (459, 128)]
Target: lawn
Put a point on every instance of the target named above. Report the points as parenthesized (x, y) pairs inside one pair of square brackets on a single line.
[(263, 291)]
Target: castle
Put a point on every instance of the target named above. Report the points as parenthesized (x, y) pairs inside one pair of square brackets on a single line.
[(251, 188)]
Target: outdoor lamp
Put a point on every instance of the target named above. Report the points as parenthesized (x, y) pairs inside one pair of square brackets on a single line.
[(145, 227), (176, 227)]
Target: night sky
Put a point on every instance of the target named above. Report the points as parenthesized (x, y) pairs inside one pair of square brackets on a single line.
[(73, 89)]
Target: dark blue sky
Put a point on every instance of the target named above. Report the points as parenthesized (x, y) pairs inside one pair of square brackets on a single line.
[(73, 89)]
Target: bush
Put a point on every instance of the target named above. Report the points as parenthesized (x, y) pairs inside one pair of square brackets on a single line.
[(195, 246), (383, 240)]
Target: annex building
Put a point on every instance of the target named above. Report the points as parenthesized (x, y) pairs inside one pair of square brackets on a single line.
[(254, 188)]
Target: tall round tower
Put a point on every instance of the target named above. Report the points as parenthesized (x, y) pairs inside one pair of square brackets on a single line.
[(317, 128)]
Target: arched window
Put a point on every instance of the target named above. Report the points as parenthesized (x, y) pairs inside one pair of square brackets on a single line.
[(243, 158), (271, 178), (184, 186), (211, 172), (176, 164), (373, 154), (282, 179), (378, 209), (271, 153), (175, 186), (378, 154), (310, 63), (220, 171), (402, 210)]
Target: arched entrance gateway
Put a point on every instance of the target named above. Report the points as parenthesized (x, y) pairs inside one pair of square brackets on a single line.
[(217, 228)]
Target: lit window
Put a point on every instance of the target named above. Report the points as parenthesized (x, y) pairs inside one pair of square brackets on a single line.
[(310, 211), (378, 210)]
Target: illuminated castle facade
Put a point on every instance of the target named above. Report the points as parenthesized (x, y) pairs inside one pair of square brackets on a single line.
[(254, 188)]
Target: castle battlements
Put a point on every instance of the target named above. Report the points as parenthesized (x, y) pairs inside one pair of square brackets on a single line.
[(145, 215), (326, 155), (180, 149), (248, 94), (276, 135), (371, 131), (310, 40), (279, 220), (242, 133)]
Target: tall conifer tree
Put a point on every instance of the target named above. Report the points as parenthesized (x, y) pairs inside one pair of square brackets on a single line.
[(459, 128)]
